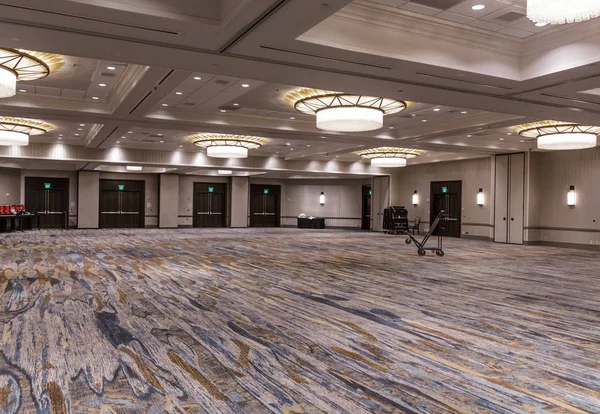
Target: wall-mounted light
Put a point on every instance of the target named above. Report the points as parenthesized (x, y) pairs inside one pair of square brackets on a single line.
[(480, 197), (134, 168), (571, 196), (415, 199), (322, 198)]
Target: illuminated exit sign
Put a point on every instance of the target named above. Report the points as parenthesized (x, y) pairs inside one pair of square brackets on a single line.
[(266, 191), (444, 189), (47, 186), (211, 189), (121, 187)]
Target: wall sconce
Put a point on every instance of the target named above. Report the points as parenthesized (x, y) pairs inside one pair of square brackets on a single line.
[(415, 199), (480, 197), (322, 198), (571, 196)]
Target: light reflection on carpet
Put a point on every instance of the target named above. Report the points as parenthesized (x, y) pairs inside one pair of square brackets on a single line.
[(252, 321)]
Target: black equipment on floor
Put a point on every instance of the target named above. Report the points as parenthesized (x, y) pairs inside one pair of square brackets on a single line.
[(395, 220), (311, 223), (440, 221)]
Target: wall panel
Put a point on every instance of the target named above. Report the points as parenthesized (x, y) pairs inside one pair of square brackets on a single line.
[(10, 186)]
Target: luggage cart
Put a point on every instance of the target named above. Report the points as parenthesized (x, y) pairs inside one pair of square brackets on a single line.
[(422, 250)]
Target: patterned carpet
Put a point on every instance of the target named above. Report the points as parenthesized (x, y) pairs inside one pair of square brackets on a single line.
[(289, 321)]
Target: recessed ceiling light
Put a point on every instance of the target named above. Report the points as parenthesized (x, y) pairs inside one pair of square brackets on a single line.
[(463, 112), (469, 136), (102, 85), (130, 132), (292, 117), (22, 90), (118, 142), (79, 129), (478, 7), (436, 109), (178, 93), (76, 135), (95, 98), (162, 142), (291, 149), (391, 128), (123, 137), (287, 143), (501, 139), (59, 137), (413, 115), (160, 135), (245, 85), (509, 133), (337, 156), (522, 140), (236, 104), (165, 104), (197, 78), (424, 120), (540, 24), (111, 68), (81, 124), (222, 110), (180, 146), (308, 145)]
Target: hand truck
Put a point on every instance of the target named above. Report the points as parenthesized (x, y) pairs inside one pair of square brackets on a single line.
[(422, 250)]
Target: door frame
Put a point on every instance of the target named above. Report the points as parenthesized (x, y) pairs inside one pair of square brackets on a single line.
[(365, 188), (124, 182), (225, 218), (432, 197), (270, 187)]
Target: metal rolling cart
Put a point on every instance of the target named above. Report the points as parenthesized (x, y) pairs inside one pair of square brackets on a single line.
[(422, 250)]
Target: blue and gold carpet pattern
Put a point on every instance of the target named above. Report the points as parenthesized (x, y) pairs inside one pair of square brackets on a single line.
[(289, 321)]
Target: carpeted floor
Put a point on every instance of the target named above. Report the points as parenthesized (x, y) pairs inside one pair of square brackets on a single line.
[(282, 320)]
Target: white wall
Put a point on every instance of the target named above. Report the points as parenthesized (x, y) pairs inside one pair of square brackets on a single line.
[(474, 174), (88, 200), (240, 194), (169, 201)]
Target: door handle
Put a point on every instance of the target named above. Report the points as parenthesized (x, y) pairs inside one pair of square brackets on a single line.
[(504, 218), (512, 219)]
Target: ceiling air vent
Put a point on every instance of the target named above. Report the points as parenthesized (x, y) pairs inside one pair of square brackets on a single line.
[(438, 4), (230, 108), (108, 75), (149, 140), (189, 103), (510, 17), (156, 136), (222, 82)]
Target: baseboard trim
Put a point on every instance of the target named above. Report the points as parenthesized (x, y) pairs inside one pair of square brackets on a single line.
[(472, 237), (151, 226), (293, 226), (563, 245), (185, 226)]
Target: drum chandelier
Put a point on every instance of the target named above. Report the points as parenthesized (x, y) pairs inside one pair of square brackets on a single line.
[(389, 156), (227, 146), (22, 65), (561, 11), (344, 112), (16, 131), (555, 135)]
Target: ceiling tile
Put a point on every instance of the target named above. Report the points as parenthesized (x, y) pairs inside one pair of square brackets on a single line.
[(486, 25), (392, 3), (417, 8), (511, 31), (464, 8), (453, 17)]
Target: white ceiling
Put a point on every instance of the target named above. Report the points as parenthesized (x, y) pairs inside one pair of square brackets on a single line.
[(467, 75)]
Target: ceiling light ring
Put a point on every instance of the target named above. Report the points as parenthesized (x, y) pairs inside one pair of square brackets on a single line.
[(558, 128), (215, 142), (24, 128), (24, 72), (309, 105)]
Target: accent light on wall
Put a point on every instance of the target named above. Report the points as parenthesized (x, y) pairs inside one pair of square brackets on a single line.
[(571, 196), (415, 198), (322, 198), (480, 197)]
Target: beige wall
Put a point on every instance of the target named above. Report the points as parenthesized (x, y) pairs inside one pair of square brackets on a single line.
[(240, 193), (169, 200), (474, 174), (89, 199), (550, 219), (10, 186)]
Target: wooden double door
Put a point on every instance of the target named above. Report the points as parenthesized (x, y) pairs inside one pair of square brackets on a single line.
[(447, 196), (49, 199), (121, 204), (265, 205), (210, 205)]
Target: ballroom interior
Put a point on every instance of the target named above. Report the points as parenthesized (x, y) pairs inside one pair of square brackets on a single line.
[(299, 206)]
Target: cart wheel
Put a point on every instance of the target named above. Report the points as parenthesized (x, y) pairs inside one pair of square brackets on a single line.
[(408, 241), (440, 253), (422, 252)]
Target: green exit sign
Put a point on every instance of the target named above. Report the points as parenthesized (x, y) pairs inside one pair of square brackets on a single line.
[(444, 189), (370, 192), (266, 191), (211, 189), (47, 186), (121, 187)]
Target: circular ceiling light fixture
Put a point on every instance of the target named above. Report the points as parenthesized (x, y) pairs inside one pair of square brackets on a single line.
[(555, 135), (561, 11), (344, 112), (23, 65), (389, 156), (16, 131), (227, 146)]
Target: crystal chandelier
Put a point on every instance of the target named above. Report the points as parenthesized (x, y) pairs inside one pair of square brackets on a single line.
[(554, 135), (22, 65), (389, 156), (16, 131), (562, 11), (343, 112), (227, 146)]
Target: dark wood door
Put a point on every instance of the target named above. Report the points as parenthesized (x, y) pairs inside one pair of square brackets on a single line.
[(265, 205), (210, 205), (121, 204), (447, 196), (49, 199), (366, 208)]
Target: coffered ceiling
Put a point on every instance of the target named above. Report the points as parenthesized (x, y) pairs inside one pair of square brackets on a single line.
[(147, 75)]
